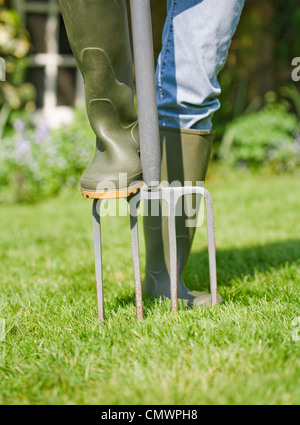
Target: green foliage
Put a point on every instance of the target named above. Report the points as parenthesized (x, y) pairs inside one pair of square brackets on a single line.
[(15, 93), (36, 163), (267, 137), (286, 30), (259, 61)]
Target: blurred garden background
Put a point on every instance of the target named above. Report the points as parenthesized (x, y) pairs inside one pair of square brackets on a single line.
[(53, 351), (257, 126)]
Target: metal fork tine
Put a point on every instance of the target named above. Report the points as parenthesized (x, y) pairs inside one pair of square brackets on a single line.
[(173, 252), (136, 257), (211, 246), (98, 257)]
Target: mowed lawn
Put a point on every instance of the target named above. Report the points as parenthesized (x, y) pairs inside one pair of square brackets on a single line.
[(246, 351)]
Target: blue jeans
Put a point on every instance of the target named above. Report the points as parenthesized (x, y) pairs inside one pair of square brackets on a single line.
[(196, 40)]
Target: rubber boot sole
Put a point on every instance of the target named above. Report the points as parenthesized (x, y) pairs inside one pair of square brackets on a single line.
[(122, 193)]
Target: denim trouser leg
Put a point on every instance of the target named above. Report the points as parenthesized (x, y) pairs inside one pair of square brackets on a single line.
[(196, 40)]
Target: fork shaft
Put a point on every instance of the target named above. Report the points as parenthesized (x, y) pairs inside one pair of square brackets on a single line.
[(146, 90)]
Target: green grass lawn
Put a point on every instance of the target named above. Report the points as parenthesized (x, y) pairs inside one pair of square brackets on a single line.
[(243, 352)]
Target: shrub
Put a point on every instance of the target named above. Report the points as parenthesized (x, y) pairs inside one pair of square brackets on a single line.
[(15, 93), (267, 137), (36, 163)]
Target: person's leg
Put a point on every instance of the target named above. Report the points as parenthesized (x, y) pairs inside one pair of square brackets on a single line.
[(99, 37), (196, 39)]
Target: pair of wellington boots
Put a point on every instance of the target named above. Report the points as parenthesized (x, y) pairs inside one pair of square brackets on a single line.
[(99, 37)]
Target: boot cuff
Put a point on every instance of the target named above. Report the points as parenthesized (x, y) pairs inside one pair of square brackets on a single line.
[(187, 131)]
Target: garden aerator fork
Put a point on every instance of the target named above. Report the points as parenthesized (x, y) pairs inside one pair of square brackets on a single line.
[(150, 158)]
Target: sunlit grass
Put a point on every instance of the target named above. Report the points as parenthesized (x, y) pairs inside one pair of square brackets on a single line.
[(244, 351)]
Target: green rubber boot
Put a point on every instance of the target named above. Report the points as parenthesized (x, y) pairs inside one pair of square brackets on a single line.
[(99, 37), (185, 158)]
